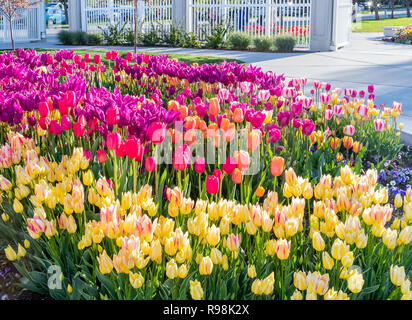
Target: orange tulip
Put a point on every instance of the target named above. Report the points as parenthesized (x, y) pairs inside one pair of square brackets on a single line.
[(253, 140), (224, 124), (260, 191), (214, 107), (276, 166), (357, 146), (238, 115), (334, 143), (347, 142), (339, 156), (237, 176), (242, 159)]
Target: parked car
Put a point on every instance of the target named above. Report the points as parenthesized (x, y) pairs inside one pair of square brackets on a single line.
[(55, 14)]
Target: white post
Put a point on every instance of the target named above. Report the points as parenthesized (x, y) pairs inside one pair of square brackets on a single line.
[(76, 14), (188, 15), (268, 12), (321, 25), (179, 13), (140, 12)]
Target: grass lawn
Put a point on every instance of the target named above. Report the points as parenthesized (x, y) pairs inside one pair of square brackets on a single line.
[(376, 25), (189, 59)]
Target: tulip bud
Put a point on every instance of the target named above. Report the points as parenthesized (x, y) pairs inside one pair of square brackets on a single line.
[(196, 290)]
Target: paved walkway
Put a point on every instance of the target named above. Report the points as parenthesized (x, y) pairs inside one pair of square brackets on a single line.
[(366, 60)]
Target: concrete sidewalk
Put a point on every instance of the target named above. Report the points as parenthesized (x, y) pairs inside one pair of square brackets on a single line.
[(366, 60)]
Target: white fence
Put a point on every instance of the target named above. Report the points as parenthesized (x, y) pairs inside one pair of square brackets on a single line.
[(26, 27), (98, 15), (255, 17)]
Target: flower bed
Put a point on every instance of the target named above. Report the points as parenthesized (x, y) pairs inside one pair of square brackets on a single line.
[(147, 178), (403, 35)]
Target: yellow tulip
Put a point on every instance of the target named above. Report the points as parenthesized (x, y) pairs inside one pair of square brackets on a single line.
[(136, 280), (182, 271), (171, 269), (27, 243), (347, 259), (10, 253), (206, 266), (318, 242), (299, 280), (21, 252), (216, 256), (327, 261), (355, 282), (398, 201), (251, 271), (405, 237), (297, 295), (17, 206), (196, 290), (213, 235), (397, 275), (338, 249), (69, 288)]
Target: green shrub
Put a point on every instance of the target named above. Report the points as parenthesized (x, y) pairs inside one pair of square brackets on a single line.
[(190, 40), (65, 37), (216, 39), (173, 37), (239, 40), (150, 38), (79, 37), (114, 34), (284, 43), (94, 39), (262, 43)]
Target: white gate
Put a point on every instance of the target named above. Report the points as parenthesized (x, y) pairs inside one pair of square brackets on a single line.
[(26, 27), (254, 17), (342, 26), (98, 15)]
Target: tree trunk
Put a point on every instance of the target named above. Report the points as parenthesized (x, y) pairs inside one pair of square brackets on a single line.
[(392, 7), (11, 33), (376, 11), (135, 26), (408, 8), (66, 11)]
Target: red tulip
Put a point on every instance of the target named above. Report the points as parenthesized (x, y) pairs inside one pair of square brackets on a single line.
[(55, 127), (113, 115), (96, 58), (63, 107), (229, 165), (66, 123), (212, 184), (157, 132), (87, 57), (113, 140), (88, 155), (109, 55), (134, 148), (93, 124), (101, 156), (43, 109), (129, 56), (200, 165), (217, 173), (70, 97), (78, 129), (121, 151), (150, 164), (44, 123), (179, 161)]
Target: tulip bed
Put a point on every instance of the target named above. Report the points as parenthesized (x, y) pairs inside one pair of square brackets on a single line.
[(93, 209)]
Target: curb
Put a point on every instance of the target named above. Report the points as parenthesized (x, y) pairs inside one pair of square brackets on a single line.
[(406, 138)]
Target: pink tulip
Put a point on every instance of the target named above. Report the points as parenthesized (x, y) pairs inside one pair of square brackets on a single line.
[(328, 114), (349, 130), (363, 110), (380, 125)]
